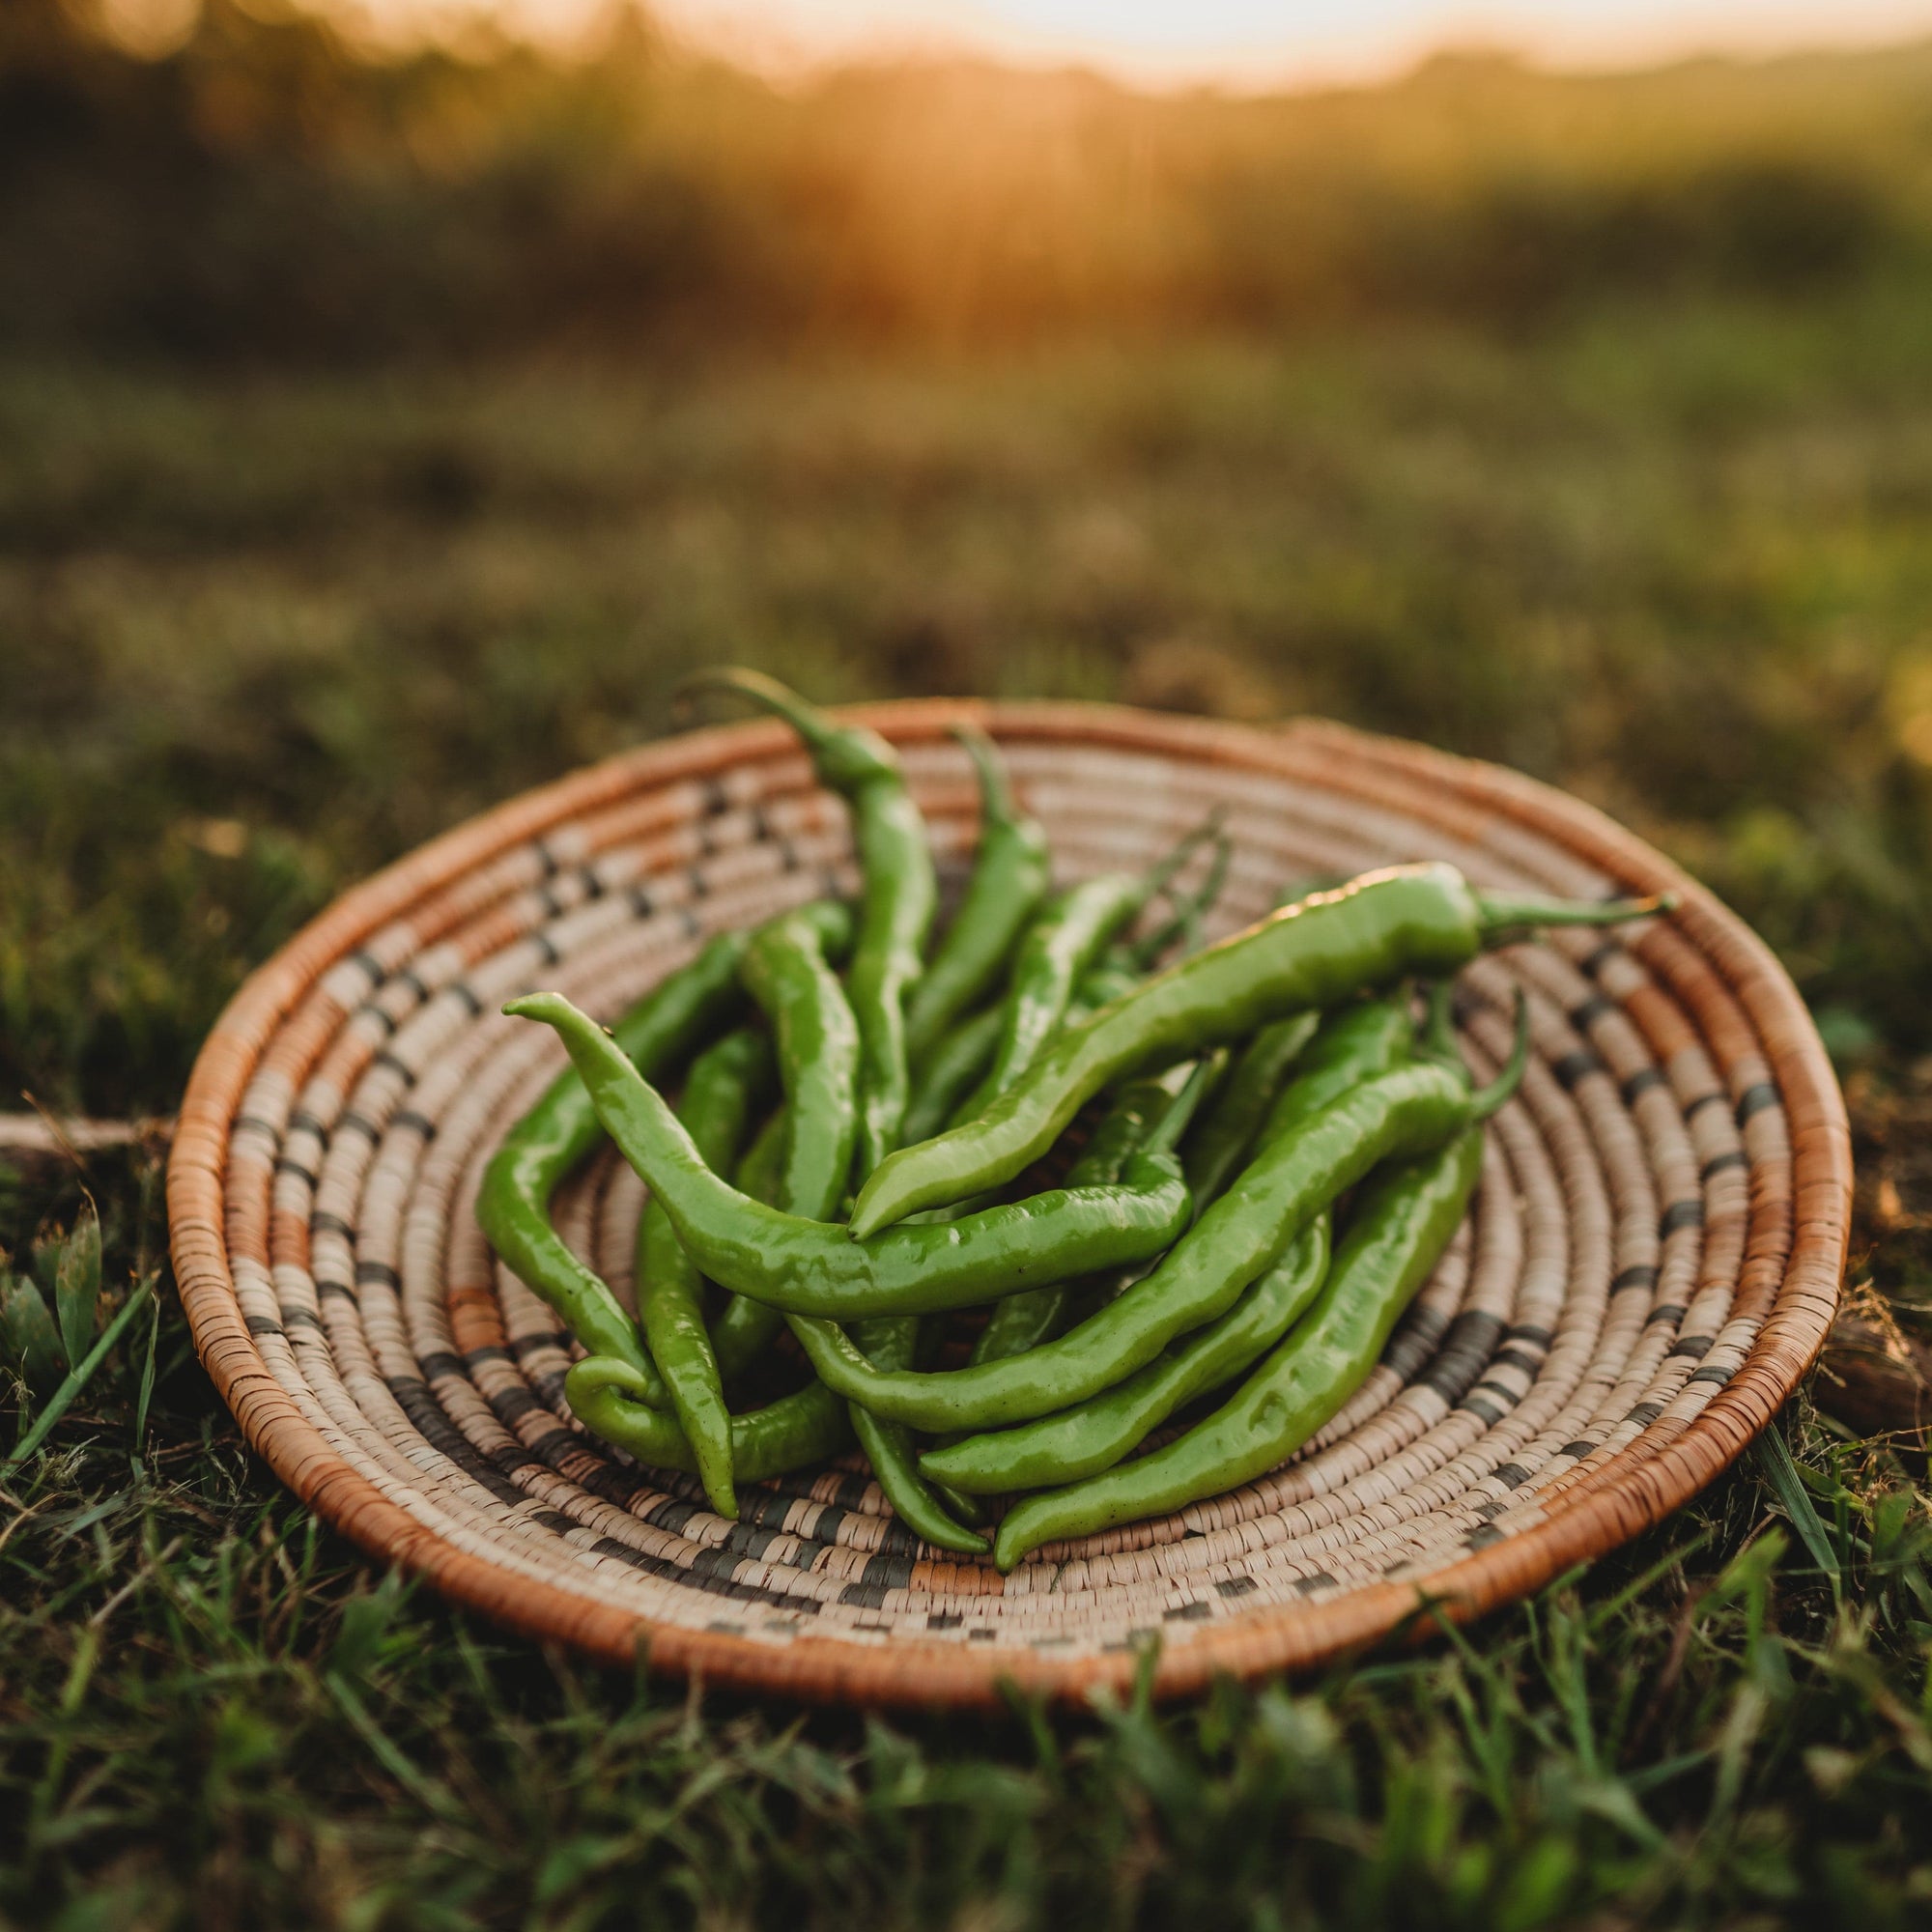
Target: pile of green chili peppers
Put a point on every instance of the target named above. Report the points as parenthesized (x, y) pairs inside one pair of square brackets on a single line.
[(1065, 1236)]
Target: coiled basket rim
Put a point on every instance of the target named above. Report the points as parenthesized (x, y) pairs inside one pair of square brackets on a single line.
[(1632, 1493)]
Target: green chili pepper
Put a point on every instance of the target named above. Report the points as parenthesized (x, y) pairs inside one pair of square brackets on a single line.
[(513, 1207), (1010, 878), (1023, 1321), (1215, 1152), (898, 897), (745, 1328), (1059, 948), (810, 1266), (608, 1396), (786, 971), (1297, 1173), (1411, 919), (818, 1056), (817, 1038), (889, 1447), (954, 1067), (1351, 1044), (760, 1173), (1095, 1434), (1182, 925), (957, 1063), (1401, 1226), (807, 1426), (670, 1291)]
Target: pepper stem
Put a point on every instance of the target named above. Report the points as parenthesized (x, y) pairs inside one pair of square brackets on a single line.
[(1156, 879), (1507, 917), (844, 755), (1184, 924), (1439, 1030), (1484, 1100), (804, 716), (996, 791)]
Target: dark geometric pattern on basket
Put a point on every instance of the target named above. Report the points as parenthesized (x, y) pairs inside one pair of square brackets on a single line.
[(1631, 1231)]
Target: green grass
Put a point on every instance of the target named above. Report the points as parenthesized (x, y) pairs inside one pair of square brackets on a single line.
[(262, 637)]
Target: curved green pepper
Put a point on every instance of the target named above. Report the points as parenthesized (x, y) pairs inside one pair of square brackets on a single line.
[(1401, 1226), (797, 1430), (1023, 1321), (671, 1291), (898, 895), (1216, 1150), (1297, 1173), (1097, 1433), (1010, 878), (811, 1267), (1410, 919), (666, 1026), (1059, 948)]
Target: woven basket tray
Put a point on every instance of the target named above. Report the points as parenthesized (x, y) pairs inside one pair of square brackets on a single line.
[(1652, 1262)]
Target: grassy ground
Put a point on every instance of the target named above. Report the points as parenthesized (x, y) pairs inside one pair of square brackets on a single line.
[(262, 639)]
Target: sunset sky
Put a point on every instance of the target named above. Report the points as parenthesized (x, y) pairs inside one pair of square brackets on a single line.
[(1253, 42)]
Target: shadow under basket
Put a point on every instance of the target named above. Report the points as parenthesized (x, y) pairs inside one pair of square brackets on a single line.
[(1651, 1263)]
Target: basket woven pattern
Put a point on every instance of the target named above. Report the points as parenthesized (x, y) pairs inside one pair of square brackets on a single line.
[(1651, 1263)]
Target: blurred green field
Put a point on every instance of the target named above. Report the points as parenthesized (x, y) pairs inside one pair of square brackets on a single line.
[(381, 437), (1674, 559)]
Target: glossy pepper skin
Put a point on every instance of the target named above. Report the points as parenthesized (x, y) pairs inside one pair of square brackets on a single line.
[(790, 1434), (1059, 949), (1407, 920), (810, 1266), (899, 895), (805, 1427), (1396, 1116), (801, 1428), (1010, 871), (818, 1058), (1035, 1314), (787, 973), (959, 1061), (1097, 1433), (745, 1329), (956, 1066), (1215, 1151), (513, 1208), (1401, 1226), (718, 1096)]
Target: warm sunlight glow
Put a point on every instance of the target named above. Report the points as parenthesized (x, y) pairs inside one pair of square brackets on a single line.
[(1242, 43)]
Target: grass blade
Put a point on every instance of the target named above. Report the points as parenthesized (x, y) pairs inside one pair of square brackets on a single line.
[(77, 1284), (78, 1379), (1795, 1500), (145, 1395)]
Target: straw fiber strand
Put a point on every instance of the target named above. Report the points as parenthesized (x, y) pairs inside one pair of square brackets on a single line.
[(1651, 1263)]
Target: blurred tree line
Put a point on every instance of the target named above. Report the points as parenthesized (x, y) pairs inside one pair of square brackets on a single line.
[(267, 188)]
